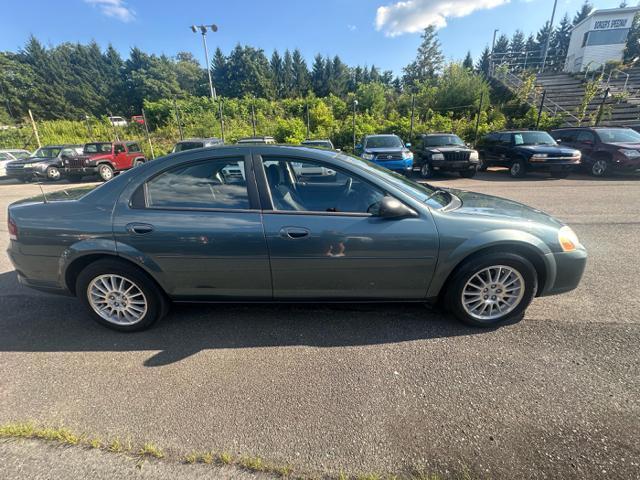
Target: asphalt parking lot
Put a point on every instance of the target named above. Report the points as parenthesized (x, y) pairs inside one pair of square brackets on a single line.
[(355, 388)]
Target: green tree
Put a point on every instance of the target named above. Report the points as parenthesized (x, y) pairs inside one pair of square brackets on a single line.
[(300, 74), (484, 62), (191, 77), (428, 61), (277, 74), (468, 61), (632, 49), (583, 13), (560, 42)]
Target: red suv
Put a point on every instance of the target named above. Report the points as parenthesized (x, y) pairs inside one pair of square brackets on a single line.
[(104, 159), (604, 149)]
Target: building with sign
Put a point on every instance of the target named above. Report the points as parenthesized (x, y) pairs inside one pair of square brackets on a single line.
[(599, 38)]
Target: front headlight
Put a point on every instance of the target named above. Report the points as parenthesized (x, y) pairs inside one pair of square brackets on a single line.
[(437, 156), (629, 153), (367, 156), (568, 239), (407, 155), (473, 155), (28, 165), (539, 156)]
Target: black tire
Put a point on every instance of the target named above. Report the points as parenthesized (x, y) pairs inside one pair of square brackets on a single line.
[(157, 305), (560, 174), (600, 168), (426, 171), (470, 173), (105, 172), (137, 163), (453, 295), (518, 168)]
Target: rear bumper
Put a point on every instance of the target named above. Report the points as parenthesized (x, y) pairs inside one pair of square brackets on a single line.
[(38, 272), (396, 165), (569, 267)]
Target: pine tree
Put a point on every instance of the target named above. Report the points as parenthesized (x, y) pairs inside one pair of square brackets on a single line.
[(501, 50), (277, 74), (318, 79), (287, 74), (300, 75), (560, 42), (428, 62), (632, 50), (583, 13), (220, 73), (484, 62), (468, 62), (516, 49), (339, 77)]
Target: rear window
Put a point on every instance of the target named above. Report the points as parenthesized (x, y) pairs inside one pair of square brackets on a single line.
[(97, 148), (134, 147), (182, 146)]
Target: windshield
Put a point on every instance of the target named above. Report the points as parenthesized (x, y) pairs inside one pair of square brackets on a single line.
[(420, 191), (20, 154), (619, 135), (182, 146), (97, 148), (533, 138), (383, 141), (47, 152), (317, 143), (441, 140)]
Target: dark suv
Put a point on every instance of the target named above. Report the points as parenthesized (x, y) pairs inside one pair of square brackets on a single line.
[(46, 162), (604, 150), (522, 151), (443, 152)]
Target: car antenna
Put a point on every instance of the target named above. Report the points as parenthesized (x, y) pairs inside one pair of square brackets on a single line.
[(44, 196)]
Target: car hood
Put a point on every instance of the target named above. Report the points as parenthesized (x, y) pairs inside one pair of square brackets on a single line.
[(481, 205), (635, 146), (47, 160), (548, 149)]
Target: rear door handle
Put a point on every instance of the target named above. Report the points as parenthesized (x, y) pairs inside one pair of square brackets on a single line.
[(139, 228), (294, 232)]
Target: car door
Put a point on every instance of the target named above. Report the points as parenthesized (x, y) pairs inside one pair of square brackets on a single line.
[(198, 225), (503, 150), (120, 156), (324, 243), (586, 143)]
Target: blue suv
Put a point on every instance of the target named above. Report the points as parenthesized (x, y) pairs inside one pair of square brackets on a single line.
[(388, 151)]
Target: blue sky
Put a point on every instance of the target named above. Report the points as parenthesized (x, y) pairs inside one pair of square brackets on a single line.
[(380, 32)]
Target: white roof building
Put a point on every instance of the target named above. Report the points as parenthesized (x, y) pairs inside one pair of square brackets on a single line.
[(599, 38)]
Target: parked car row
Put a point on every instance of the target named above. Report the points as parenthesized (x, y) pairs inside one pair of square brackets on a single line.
[(52, 162)]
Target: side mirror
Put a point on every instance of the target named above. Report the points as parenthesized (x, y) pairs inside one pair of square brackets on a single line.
[(558, 140), (389, 207), (408, 144)]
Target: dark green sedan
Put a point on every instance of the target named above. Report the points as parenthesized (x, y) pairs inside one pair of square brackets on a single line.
[(266, 223)]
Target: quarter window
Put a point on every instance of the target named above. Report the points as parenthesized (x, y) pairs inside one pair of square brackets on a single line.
[(308, 186), (205, 185)]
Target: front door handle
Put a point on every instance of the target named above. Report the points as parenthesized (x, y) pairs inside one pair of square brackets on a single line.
[(139, 228), (294, 232)]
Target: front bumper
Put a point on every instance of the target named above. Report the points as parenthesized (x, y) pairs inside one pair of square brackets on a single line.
[(88, 170), (28, 172), (569, 267), (626, 165), (554, 165), (396, 165), (450, 166)]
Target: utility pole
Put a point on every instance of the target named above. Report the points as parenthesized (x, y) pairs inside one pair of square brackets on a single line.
[(35, 129), (475, 136), (89, 131), (253, 118), (203, 30), (413, 106), (601, 107), (546, 44), (355, 104), (493, 45), (544, 94), (177, 113), (146, 129), (221, 119), (308, 135)]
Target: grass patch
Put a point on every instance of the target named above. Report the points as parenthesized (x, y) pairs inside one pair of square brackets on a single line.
[(225, 458), (150, 450), (31, 431)]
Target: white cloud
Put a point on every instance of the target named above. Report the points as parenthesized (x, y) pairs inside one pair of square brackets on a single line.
[(410, 16), (114, 8), (352, 28)]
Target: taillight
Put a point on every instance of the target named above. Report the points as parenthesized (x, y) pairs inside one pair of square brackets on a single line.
[(13, 229)]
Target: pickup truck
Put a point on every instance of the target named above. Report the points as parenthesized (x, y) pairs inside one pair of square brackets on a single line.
[(104, 159)]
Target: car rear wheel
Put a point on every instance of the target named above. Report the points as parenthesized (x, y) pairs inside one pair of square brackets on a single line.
[(426, 171), (600, 168), (119, 296), (492, 289), (53, 173), (518, 169), (105, 172), (482, 163), (468, 173)]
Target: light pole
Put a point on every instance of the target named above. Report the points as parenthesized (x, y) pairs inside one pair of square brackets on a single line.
[(355, 104), (203, 30), (493, 45), (546, 44)]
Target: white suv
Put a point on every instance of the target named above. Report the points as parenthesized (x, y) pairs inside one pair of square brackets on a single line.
[(7, 156)]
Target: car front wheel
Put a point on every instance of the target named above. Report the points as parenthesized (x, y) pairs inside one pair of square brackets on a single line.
[(53, 173), (600, 168), (470, 173), (119, 296), (426, 171), (492, 289), (518, 169)]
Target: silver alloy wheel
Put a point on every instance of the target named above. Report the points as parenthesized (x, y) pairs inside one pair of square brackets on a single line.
[(493, 292), (425, 170), (53, 173), (515, 169), (599, 167), (117, 299), (106, 173)]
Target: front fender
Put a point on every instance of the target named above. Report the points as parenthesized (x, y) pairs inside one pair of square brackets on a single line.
[(451, 256)]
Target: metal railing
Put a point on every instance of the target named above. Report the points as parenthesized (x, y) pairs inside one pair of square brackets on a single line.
[(533, 97), (528, 60)]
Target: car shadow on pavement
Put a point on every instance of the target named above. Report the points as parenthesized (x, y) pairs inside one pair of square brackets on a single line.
[(33, 322)]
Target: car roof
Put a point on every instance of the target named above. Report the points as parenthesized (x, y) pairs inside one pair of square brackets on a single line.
[(9, 150), (438, 133), (199, 139), (381, 135), (63, 145), (316, 140)]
